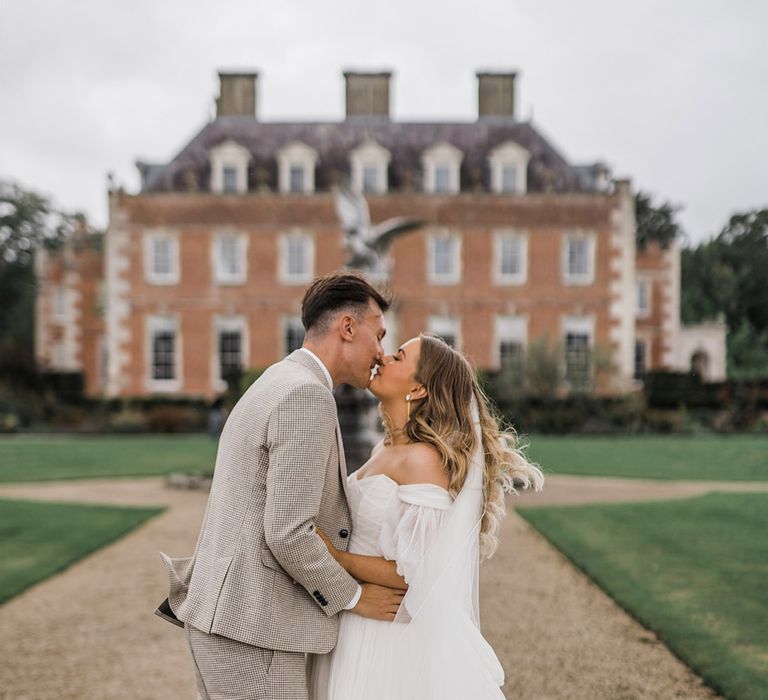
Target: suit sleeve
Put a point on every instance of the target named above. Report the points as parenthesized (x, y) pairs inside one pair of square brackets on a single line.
[(302, 430)]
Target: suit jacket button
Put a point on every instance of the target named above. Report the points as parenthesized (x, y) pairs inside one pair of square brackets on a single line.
[(343, 533)]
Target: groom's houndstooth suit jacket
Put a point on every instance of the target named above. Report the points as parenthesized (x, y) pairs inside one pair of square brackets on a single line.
[(260, 574)]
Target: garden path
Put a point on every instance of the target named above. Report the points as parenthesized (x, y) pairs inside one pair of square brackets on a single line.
[(89, 632)]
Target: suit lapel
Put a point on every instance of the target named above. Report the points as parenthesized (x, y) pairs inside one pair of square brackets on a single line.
[(307, 361), (342, 461)]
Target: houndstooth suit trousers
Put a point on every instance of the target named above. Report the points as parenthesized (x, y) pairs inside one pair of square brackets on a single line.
[(226, 669)]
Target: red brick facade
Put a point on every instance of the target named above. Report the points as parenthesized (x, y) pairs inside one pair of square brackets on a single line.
[(199, 266), (658, 322), (69, 315), (263, 301)]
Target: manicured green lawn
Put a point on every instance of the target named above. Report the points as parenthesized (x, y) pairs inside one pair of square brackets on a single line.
[(40, 539), (705, 458), (733, 458), (694, 571), (41, 458)]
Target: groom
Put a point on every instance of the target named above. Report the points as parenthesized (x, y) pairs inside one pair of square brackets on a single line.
[(261, 588)]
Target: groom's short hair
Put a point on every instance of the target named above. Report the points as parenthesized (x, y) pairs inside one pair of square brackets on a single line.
[(328, 295)]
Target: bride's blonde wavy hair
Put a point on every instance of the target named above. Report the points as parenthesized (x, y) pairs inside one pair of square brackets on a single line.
[(443, 419)]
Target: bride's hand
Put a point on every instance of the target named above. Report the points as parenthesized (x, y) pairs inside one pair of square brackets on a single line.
[(337, 555)]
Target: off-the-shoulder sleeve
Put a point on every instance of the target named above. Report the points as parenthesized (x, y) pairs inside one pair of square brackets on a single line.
[(407, 535)]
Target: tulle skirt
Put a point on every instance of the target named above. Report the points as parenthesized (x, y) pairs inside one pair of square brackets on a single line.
[(442, 658)]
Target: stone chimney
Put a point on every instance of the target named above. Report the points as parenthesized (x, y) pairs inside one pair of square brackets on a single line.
[(496, 94), (367, 94), (237, 95)]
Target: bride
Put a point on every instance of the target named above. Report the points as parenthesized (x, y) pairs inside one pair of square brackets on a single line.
[(426, 508)]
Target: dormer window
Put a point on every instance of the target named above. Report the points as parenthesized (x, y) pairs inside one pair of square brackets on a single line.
[(509, 177), (371, 179), (442, 163), (296, 178), (369, 163), (229, 178), (442, 178), (509, 165), (229, 167), (296, 164)]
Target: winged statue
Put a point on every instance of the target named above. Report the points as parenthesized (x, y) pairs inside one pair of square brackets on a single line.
[(367, 245)]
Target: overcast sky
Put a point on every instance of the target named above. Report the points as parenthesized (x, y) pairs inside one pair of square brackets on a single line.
[(672, 94)]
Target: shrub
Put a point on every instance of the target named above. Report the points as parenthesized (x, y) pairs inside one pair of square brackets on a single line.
[(65, 386), (127, 420), (579, 413), (174, 419)]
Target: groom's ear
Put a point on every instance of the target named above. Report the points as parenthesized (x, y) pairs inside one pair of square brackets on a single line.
[(347, 326)]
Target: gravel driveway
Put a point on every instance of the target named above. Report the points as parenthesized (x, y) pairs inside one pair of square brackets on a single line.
[(89, 632)]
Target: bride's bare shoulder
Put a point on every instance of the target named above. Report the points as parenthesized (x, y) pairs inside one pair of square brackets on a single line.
[(422, 464), (377, 448)]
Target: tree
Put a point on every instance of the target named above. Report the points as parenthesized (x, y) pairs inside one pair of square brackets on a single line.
[(27, 221), (743, 245), (655, 222), (727, 275), (706, 282)]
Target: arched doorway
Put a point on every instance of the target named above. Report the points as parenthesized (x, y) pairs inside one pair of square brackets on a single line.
[(700, 364)]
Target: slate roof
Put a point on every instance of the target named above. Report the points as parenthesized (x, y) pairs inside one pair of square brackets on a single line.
[(190, 169)]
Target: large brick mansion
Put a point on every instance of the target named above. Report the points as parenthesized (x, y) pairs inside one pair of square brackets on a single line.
[(203, 271)]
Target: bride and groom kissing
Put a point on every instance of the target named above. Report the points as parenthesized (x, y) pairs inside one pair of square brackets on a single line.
[(307, 583)]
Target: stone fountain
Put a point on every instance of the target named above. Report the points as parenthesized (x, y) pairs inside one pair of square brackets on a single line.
[(367, 249)]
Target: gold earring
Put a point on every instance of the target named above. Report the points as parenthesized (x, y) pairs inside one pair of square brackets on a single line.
[(408, 407)]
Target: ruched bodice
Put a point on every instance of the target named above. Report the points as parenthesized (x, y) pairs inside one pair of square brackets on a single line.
[(377, 503), (375, 660)]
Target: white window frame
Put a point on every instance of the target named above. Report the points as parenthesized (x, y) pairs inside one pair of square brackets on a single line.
[(173, 275), (229, 154), (574, 279), (296, 154), (645, 342), (508, 328), (509, 153), (442, 154), (60, 305), (647, 283), (284, 274), (371, 154), (58, 355), (442, 325), (223, 324), (286, 323), (454, 276), (582, 325), (162, 324), (499, 276), (220, 274)]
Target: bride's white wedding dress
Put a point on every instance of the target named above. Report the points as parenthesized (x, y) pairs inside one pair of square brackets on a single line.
[(438, 652)]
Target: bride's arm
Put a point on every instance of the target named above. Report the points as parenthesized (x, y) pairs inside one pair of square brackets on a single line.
[(367, 569)]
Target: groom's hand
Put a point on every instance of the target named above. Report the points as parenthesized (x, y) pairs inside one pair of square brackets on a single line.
[(378, 602)]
